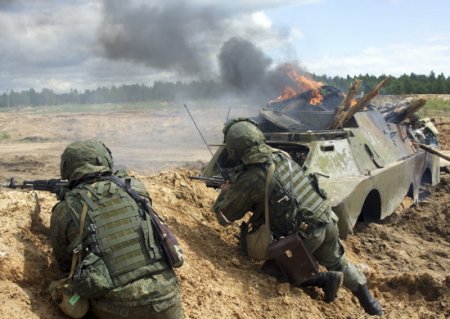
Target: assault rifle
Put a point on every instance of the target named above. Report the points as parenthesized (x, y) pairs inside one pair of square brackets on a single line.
[(54, 186), (49, 185), (215, 181)]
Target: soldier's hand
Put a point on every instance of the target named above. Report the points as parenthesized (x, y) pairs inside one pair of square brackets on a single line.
[(225, 186)]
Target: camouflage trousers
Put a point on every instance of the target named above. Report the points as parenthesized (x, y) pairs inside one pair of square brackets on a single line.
[(325, 245), (103, 309)]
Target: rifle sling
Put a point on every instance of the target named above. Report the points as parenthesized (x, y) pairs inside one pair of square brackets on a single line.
[(76, 251), (267, 193)]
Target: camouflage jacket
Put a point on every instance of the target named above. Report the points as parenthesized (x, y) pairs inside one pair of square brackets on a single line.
[(246, 194)]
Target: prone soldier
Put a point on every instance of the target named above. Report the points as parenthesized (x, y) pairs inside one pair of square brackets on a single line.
[(103, 237)]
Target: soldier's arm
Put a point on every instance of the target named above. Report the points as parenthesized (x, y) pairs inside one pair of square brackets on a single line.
[(62, 231), (239, 198)]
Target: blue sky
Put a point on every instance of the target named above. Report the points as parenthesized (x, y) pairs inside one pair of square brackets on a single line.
[(387, 36), (89, 43)]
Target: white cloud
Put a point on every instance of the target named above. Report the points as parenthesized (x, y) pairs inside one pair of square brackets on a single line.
[(261, 19), (252, 5), (395, 59), (46, 45)]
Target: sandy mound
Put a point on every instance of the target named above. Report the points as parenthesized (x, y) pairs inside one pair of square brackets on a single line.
[(406, 259)]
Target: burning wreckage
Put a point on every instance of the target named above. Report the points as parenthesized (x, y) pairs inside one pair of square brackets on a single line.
[(366, 158)]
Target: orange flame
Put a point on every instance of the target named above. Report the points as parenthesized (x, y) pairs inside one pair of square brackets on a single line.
[(288, 93), (316, 98), (303, 84)]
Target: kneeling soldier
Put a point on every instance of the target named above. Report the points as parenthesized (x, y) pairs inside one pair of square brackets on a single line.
[(295, 204)]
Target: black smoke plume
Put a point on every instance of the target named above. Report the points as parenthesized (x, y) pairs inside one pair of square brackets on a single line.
[(184, 38), (170, 35), (247, 68)]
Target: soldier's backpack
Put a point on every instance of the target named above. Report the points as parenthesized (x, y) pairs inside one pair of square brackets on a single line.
[(119, 242)]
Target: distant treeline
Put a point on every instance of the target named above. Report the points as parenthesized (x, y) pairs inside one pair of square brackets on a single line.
[(405, 84), (169, 91)]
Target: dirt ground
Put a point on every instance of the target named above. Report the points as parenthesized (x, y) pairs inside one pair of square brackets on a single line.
[(406, 257)]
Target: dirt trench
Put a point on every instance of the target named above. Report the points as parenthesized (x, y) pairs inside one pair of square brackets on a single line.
[(405, 257)]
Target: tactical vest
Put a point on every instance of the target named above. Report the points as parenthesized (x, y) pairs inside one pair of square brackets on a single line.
[(295, 204), (116, 230)]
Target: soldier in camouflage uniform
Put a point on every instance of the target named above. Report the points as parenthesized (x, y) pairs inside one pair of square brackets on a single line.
[(305, 211), (122, 270)]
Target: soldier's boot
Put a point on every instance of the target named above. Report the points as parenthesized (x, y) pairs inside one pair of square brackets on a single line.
[(367, 301), (329, 281)]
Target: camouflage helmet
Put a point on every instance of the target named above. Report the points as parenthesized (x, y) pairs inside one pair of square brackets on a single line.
[(84, 157), (240, 135)]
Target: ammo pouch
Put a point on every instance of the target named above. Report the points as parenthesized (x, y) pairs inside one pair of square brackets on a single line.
[(92, 279), (70, 303), (293, 259), (258, 242)]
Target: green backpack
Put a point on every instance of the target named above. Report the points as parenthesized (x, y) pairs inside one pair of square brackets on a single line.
[(117, 245)]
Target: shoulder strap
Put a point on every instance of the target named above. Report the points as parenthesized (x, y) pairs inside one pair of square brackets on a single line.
[(126, 187), (76, 251), (266, 197), (277, 150), (291, 180)]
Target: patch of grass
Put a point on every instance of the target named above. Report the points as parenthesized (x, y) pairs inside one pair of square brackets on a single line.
[(4, 136), (436, 107)]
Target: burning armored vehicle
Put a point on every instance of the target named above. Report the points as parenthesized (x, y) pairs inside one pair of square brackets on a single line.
[(364, 157)]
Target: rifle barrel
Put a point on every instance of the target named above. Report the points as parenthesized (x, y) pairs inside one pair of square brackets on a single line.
[(210, 181), (49, 185)]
